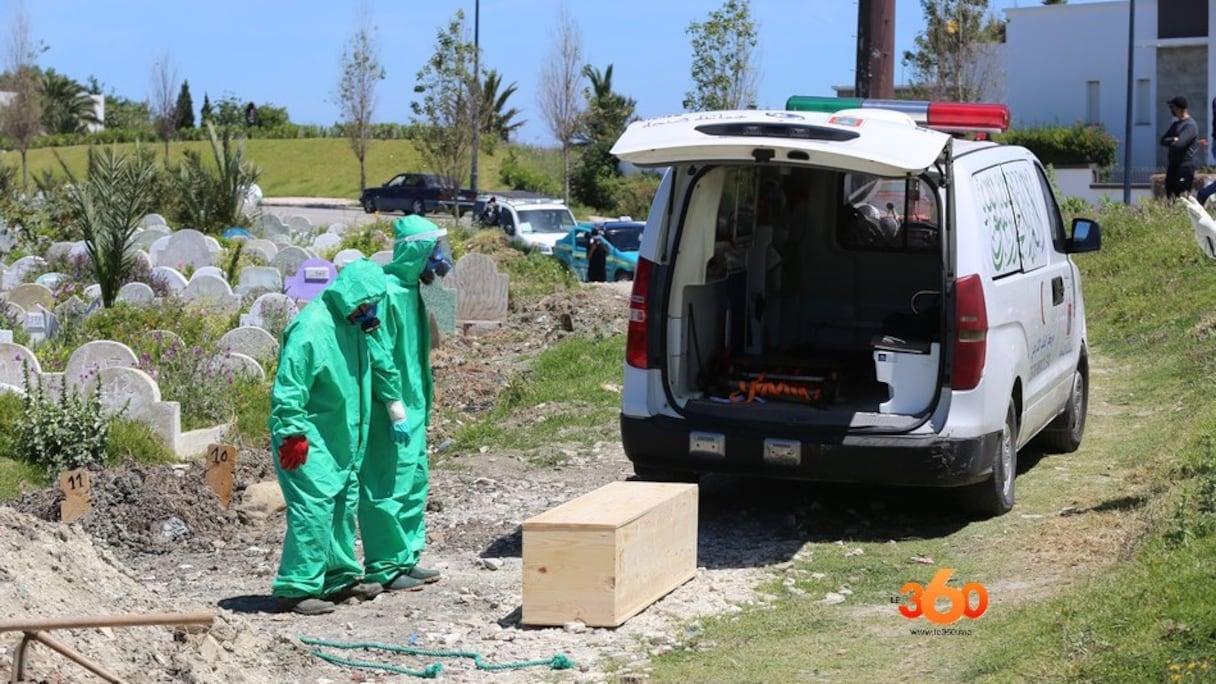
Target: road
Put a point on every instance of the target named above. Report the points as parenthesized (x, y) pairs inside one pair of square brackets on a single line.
[(321, 215)]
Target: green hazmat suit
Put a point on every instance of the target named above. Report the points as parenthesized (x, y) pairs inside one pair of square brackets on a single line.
[(394, 479), (323, 391)]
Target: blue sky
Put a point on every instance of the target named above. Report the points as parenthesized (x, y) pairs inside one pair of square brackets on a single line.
[(288, 53)]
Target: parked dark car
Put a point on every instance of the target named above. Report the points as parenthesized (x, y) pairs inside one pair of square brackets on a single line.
[(417, 193)]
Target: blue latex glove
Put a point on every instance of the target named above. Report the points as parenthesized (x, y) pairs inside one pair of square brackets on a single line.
[(399, 425), (401, 432)]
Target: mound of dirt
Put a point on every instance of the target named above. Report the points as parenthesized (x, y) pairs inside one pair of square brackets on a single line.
[(52, 570), (158, 509)]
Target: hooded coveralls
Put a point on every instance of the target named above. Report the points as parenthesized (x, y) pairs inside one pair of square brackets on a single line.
[(323, 391), (392, 502)]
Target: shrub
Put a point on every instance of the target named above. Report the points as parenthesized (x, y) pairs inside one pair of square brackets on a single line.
[(191, 376), (368, 238), (132, 440), (213, 192), (522, 170), (12, 410), (1065, 145), (633, 195), (62, 433)]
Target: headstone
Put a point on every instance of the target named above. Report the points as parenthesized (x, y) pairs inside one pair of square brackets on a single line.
[(158, 247), (135, 392), (6, 335), (299, 224), (341, 259), (261, 248), (211, 271), (71, 309), (27, 295), (59, 252), (272, 312), (213, 246), (313, 276), (143, 262), (19, 271), (440, 303), (173, 280), (51, 280), (281, 240), (14, 359), (13, 314), (184, 248), (150, 220), (254, 278), (164, 339), (384, 257), (40, 323), (270, 225), (92, 293), (146, 239), (92, 357), (234, 365), (211, 292), (325, 242), (251, 341), (481, 291), (338, 228), (137, 294), (8, 240), (288, 259)]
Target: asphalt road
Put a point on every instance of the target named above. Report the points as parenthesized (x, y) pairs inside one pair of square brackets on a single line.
[(322, 216)]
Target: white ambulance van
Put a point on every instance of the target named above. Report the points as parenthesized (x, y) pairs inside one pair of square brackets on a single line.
[(851, 291)]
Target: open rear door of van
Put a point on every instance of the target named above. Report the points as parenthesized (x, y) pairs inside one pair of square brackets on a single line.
[(873, 141)]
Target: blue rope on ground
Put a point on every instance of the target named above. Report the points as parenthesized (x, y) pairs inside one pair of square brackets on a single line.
[(557, 662)]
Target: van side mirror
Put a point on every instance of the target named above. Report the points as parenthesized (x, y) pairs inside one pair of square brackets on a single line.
[(1086, 236)]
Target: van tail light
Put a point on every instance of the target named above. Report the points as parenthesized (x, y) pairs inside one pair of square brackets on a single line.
[(970, 333), (636, 341)]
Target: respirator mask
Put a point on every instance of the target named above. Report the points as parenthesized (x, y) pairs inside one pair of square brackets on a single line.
[(365, 317), (437, 264)]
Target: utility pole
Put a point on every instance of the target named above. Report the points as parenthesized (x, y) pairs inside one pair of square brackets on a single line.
[(1127, 116), (476, 93), (875, 72)]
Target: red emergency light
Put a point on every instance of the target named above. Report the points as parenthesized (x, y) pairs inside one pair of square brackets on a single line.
[(958, 117)]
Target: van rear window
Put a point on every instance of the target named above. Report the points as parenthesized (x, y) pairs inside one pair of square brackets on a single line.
[(887, 214)]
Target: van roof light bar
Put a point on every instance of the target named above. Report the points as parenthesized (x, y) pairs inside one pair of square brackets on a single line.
[(954, 117)]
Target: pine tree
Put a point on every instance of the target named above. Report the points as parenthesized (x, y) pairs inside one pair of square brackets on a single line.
[(185, 107), (205, 114)]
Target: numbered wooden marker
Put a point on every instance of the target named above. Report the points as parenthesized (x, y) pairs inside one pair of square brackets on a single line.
[(221, 471), (76, 499)]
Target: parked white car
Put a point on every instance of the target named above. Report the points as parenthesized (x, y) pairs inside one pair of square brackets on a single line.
[(851, 296), (535, 222)]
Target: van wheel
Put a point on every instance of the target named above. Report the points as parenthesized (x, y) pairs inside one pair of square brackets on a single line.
[(1063, 435), (994, 496), (661, 475)]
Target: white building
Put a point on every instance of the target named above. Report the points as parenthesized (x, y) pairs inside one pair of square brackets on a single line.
[(1068, 64)]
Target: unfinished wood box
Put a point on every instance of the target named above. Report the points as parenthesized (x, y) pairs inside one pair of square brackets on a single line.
[(603, 557)]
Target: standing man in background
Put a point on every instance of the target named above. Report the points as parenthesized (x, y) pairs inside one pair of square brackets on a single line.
[(1182, 141)]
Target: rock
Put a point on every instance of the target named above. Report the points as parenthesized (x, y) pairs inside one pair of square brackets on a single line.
[(491, 563), (574, 627), (210, 650), (174, 528), (261, 500), (832, 598)]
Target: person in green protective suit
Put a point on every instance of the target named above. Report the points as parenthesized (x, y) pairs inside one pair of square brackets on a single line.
[(319, 411), (392, 502)]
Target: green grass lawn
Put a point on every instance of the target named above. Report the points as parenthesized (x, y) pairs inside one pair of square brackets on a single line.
[(310, 167)]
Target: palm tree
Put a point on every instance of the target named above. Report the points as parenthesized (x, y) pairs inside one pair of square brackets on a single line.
[(66, 104), (608, 112), (497, 119), (106, 206)]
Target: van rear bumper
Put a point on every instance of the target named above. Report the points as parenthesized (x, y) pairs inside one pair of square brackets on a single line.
[(663, 443)]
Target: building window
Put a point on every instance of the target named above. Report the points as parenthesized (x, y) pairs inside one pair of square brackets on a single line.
[(1093, 100), (1182, 19), (1144, 102)]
